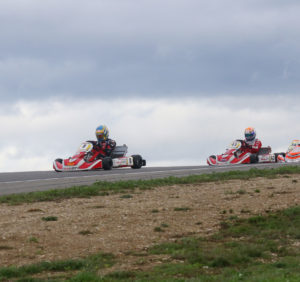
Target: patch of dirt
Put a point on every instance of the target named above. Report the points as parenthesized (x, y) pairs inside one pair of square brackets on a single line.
[(127, 226)]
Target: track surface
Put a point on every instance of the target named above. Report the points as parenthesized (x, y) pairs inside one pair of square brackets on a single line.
[(19, 182)]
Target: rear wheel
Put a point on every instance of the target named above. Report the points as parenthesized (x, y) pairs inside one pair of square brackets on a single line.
[(137, 161), (107, 163), (253, 159)]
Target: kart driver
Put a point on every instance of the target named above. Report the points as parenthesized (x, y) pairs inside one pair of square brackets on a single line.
[(295, 143), (251, 144), (104, 146)]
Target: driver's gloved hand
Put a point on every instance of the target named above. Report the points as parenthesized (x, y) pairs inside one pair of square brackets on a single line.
[(87, 156), (112, 143)]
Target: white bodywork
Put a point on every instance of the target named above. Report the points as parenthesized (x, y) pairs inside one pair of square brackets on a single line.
[(125, 161)]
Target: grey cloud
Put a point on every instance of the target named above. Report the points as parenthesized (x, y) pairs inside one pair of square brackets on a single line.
[(148, 48)]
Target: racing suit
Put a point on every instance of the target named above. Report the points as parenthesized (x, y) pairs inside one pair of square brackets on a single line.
[(251, 146), (101, 149)]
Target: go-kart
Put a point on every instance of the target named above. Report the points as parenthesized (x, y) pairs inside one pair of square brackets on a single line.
[(80, 161), (235, 154), (291, 156)]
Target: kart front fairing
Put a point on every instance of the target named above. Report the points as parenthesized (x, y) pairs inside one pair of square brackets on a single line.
[(79, 161), (233, 155), (292, 156)]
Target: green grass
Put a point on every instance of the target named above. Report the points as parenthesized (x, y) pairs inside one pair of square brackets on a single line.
[(33, 240), (4, 247), (260, 248), (49, 218), (87, 265), (241, 191), (158, 229), (181, 209), (103, 188), (126, 196), (85, 232)]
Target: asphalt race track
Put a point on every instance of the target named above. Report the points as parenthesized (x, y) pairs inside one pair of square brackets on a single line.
[(20, 182)]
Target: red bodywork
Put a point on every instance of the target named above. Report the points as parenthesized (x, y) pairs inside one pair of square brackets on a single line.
[(76, 162), (291, 156), (237, 154), (86, 159)]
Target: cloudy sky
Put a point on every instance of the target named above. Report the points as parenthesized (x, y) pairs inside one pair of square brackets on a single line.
[(176, 80)]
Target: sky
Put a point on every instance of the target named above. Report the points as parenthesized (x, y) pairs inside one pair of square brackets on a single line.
[(176, 80)]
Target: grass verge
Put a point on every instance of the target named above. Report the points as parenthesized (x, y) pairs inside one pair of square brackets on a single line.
[(260, 248), (68, 267), (102, 188)]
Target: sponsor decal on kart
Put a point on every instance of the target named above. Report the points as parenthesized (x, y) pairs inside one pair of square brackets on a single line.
[(266, 158), (126, 161)]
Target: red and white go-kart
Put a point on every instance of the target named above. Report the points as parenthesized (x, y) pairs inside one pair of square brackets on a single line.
[(292, 155), (80, 161), (235, 154)]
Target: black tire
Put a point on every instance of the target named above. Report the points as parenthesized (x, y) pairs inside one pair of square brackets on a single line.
[(59, 160), (137, 161), (107, 163), (253, 159), (213, 157), (277, 154)]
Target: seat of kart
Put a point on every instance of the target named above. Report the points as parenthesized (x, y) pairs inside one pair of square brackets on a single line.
[(119, 151), (264, 150)]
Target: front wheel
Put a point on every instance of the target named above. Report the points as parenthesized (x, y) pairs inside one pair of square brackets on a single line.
[(59, 160), (56, 167), (279, 154), (107, 163), (137, 161)]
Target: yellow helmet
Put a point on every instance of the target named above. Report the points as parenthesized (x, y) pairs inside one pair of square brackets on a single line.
[(102, 133)]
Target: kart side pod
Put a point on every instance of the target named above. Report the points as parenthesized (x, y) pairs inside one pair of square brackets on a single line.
[(119, 159), (134, 161)]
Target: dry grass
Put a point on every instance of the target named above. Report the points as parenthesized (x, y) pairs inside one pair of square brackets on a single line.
[(120, 225)]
